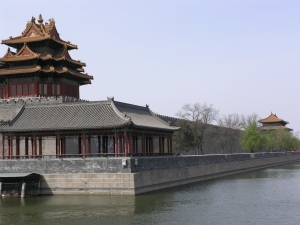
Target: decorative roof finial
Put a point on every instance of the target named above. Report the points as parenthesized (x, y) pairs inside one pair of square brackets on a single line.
[(40, 20)]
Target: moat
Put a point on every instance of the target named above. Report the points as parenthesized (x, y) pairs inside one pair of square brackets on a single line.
[(268, 196)]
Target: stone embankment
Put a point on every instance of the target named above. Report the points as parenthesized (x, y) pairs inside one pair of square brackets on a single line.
[(136, 175)]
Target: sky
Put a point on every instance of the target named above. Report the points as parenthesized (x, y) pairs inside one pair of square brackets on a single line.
[(241, 56)]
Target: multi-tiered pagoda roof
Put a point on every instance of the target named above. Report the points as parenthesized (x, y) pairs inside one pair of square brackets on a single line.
[(41, 64), (273, 122)]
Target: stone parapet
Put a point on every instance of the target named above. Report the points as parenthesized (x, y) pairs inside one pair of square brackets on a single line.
[(109, 176), (38, 100), (160, 179), (132, 164)]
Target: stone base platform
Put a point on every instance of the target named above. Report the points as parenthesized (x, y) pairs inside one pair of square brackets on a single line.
[(155, 173)]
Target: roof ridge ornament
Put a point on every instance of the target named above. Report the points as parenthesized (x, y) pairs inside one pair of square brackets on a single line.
[(110, 98), (40, 20)]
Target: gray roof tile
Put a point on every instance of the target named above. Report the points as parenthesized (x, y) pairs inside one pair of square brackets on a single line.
[(98, 115), (143, 116), (84, 115)]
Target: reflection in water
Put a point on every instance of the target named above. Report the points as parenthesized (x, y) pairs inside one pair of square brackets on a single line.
[(267, 196)]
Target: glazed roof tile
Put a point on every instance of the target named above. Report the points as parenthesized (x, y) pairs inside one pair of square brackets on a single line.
[(45, 69), (63, 54), (21, 69), (38, 32), (23, 54), (271, 119), (19, 40)]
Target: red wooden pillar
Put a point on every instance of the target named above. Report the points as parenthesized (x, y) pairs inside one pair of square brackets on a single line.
[(125, 143), (103, 144), (62, 89), (34, 146), (36, 88), (3, 145), (49, 87), (149, 145), (26, 146), (106, 144), (163, 143), (171, 147), (7, 91), (116, 144), (99, 144), (134, 141), (143, 144), (40, 147), (79, 144), (168, 143), (10, 146), (84, 145), (132, 144), (63, 145), (137, 144), (129, 143), (17, 146), (152, 144), (57, 145), (31, 143), (134, 147), (146, 144), (121, 144), (89, 144), (160, 147)]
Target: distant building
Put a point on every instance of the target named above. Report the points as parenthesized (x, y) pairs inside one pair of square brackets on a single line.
[(272, 122)]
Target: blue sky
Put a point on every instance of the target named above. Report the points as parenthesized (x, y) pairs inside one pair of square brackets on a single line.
[(240, 56)]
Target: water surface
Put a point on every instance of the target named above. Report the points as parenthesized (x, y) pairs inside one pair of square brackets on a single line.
[(269, 196)]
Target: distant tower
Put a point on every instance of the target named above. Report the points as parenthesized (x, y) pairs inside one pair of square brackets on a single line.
[(41, 64), (272, 122)]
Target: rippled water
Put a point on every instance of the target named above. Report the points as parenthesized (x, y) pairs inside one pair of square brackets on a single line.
[(269, 196)]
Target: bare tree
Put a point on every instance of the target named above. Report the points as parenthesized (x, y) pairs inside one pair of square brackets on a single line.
[(231, 124), (220, 137), (199, 117), (245, 121), (184, 138)]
